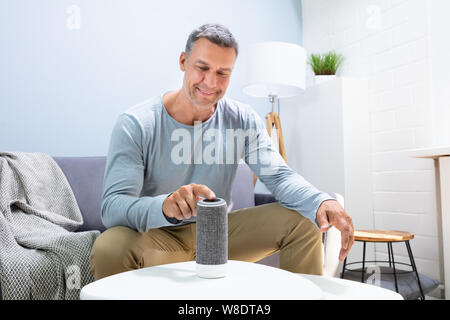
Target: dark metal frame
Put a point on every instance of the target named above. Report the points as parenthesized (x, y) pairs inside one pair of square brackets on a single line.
[(391, 262)]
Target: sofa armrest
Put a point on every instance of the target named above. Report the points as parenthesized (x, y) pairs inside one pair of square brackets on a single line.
[(332, 247), (264, 198)]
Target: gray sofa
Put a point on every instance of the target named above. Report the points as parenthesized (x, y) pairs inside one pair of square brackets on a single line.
[(85, 176)]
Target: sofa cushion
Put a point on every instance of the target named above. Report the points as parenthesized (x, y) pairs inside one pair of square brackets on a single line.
[(242, 192), (85, 176)]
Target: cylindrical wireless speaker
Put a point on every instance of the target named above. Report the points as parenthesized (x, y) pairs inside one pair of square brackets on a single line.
[(212, 238)]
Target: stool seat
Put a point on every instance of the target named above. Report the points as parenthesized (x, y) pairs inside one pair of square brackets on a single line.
[(382, 235)]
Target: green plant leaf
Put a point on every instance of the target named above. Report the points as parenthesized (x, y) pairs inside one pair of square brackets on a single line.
[(326, 64)]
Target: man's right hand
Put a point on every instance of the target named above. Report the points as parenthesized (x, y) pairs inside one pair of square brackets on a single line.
[(182, 204)]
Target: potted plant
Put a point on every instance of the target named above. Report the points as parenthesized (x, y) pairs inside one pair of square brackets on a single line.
[(325, 65)]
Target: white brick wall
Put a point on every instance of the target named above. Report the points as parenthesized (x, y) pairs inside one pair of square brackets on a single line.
[(387, 42)]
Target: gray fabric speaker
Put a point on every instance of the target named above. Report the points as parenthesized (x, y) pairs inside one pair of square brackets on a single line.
[(212, 238)]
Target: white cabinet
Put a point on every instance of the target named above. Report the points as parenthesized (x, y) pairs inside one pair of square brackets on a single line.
[(326, 132)]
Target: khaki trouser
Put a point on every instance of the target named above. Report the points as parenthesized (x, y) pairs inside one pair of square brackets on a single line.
[(253, 234)]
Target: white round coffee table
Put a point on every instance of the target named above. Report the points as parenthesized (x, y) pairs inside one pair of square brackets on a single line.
[(244, 281), (341, 289), (179, 281)]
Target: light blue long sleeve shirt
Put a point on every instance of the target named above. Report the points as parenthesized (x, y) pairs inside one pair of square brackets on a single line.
[(151, 155)]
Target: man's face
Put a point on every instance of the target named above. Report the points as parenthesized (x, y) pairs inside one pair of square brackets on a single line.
[(207, 72)]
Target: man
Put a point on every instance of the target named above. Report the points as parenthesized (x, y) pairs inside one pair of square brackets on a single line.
[(153, 181)]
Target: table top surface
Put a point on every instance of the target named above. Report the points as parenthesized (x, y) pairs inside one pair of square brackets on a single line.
[(244, 281), (431, 153)]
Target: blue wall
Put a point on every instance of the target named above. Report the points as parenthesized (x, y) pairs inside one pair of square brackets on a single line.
[(61, 89)]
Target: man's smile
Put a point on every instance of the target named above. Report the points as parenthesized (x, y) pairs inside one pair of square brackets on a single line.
[(205, 93)]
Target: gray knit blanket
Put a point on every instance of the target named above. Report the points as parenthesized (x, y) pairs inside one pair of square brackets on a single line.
[(41, 257)]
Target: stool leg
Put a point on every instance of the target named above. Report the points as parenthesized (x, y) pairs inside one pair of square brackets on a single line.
[(389, 255), (393, 266), (363, 262), (343, 268), (413, 265)]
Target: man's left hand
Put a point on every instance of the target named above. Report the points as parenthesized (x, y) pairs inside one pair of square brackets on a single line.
[(331, 213)]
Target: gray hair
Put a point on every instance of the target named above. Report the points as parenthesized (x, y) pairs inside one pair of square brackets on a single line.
[(215, 33)]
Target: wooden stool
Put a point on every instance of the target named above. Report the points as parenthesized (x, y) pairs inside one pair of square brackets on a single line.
[(387, 236)]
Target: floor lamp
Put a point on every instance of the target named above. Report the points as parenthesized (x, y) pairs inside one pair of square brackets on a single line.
[(274, 70)]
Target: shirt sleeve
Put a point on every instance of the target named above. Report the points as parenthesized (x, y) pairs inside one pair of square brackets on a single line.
[(122, 204), (289, 188)]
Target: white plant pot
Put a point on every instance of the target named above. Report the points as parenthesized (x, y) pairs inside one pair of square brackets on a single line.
[(323, 78)]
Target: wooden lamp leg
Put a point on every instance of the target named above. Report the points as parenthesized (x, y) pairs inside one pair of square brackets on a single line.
[(272, 119), (280, 137)]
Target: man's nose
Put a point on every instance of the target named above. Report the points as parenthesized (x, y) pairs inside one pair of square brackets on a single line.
[(210, 80)]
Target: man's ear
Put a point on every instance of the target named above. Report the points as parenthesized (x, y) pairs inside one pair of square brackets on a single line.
[(183, 61)]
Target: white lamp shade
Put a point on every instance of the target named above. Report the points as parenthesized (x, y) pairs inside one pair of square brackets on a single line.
[(274, 68)]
